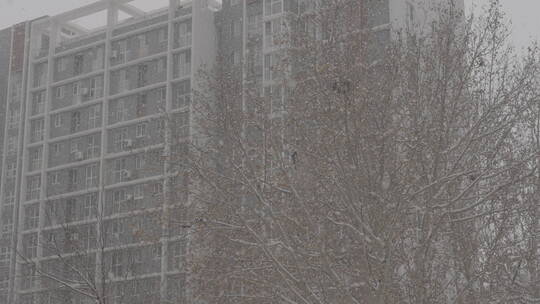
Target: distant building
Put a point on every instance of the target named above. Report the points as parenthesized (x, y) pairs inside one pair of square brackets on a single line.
[(85, 180)]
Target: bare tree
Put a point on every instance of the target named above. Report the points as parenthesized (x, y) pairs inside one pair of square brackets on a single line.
[(87, 253), (357, 175)]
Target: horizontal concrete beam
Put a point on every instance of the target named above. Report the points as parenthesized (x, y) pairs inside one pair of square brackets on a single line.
[(79, 30), (83, 11), (131, 10)]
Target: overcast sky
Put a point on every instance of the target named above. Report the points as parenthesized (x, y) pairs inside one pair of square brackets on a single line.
[(523, 13)]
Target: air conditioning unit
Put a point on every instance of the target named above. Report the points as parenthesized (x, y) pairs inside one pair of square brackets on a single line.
[(123, 85), (84, 91), (143, 51), (78, 155), (128, 143), (114, 54), (129, 197), (127, 174)]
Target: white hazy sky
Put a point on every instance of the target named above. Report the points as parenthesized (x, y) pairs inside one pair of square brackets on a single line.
[(522, 13)]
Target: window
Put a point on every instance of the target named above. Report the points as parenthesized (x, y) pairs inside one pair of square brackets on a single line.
[(93, 87), (182, 96), (162, 65), (35, 159), (4, 256), (10, 197), (89, 205), (58, 121), (270, 63), (40, 74), (34, 187), (93, 147), (181, 127), (140, 161), (177, 253), (141, 130), (75, 121), (59, 92), (122, 49), (38, 103), (236, 28), (162, 35), (254, 25), (91, 175), (31, 243), (74, 146), (138, 192), (142, 70), (117, 228), (235, 2), (50, 238), (76, 87), (237, 58), (158, 188), (268, 67), (7, 228), (119, 138), (275, 94), (11, 170), (183, 64), (184, 34), (38, 130), (72, 236), (56, 149), (272, 7), (11, 144), (137, 261), (93, 116), (141, 104), (119, 169), (161, 125), (62, 64), (143, 41), (410, 14), (70, 214), (118, 197), (55, 178), (31, 216), (13, 119), (116, 263), (121, 110), (73, 176), (156, 252), (78, 64), (28, 274), (272, 29), (162, 94)]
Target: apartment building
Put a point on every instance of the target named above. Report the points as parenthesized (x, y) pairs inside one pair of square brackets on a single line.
[(89, 197)]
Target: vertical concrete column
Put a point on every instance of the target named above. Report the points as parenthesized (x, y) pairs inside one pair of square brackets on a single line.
[(4, 157), (19, 198), (31, 35), (112, 20), (54, 34), (173, 5)]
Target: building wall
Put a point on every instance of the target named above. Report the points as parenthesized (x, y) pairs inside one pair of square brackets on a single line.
[(418, 15), (5, 245), (95, 139)]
